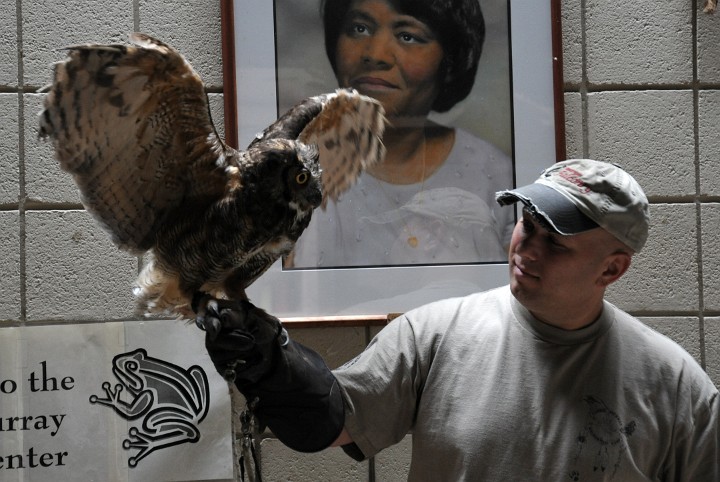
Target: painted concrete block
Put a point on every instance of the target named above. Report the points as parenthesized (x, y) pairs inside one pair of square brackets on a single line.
[(649, 133), (10, 282), (571, 41), (280, 463), (9, 149), (73, 270), (50, 26), (573, 126), (191, 27), (710, 220), (709, 141), (663, 276), (712, 349), (632, 43), (8, 45)]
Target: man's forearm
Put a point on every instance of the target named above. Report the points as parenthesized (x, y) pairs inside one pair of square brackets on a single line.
[(343, 439)]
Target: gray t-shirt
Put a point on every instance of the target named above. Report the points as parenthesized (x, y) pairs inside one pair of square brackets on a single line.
[(490, 393), (451, 217)]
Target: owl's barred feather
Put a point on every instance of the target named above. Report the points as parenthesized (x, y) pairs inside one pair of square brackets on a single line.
[(132, 126)]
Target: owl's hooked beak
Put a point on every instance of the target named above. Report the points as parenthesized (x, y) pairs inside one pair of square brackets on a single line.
[(310, 199)]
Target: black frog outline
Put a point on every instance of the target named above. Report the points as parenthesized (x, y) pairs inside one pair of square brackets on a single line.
[(172, 401)]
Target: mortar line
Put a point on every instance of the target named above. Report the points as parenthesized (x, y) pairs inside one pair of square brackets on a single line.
[(21, 164), (136, 15), (584, 84), (698, 201)]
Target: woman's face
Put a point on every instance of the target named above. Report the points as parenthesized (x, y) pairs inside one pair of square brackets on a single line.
[(390, 56)]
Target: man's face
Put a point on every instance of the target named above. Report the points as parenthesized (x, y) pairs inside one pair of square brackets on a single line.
[(390, 56), (554, 275)]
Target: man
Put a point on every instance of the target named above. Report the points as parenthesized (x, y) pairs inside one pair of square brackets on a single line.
[(539, 380)]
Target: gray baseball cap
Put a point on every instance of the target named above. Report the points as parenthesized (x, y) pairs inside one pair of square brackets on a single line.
[(581, 194)]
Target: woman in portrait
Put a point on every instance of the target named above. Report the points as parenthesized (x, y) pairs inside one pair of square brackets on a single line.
[(431, 201)]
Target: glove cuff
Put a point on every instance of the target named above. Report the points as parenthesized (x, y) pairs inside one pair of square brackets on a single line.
[(299, 400)]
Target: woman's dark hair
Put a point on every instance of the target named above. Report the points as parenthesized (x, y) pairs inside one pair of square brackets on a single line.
[(460, 29)]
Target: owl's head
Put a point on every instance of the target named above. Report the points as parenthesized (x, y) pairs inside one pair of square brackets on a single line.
[(289, 171)]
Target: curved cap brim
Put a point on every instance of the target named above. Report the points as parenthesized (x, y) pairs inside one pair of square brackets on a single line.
[(550, 208)]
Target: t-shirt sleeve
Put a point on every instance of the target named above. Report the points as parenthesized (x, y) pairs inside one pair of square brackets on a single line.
[(696, 439), (381, 387)]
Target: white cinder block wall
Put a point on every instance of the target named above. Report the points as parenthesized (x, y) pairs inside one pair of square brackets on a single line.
[(641, 89)]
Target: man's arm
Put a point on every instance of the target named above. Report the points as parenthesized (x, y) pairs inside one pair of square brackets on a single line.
[(343, 439)]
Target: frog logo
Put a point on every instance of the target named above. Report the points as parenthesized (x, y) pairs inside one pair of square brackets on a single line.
[(172, 401)]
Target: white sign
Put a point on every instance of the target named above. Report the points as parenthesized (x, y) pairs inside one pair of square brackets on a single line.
[(130, 401)]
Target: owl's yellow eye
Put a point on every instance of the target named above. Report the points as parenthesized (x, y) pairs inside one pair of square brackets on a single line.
[(302, 177)]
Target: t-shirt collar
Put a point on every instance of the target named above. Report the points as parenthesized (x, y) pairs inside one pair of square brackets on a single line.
[(559, 336)]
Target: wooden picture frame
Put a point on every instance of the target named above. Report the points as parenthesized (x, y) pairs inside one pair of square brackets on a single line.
[(251, 79)]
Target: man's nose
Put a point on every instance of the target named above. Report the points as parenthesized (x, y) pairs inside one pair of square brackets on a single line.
[(529, 246)]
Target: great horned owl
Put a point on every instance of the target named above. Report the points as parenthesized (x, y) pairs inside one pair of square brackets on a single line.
[(131, 124)]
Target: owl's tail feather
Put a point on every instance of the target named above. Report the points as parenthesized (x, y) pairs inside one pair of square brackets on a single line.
[(158, 292)]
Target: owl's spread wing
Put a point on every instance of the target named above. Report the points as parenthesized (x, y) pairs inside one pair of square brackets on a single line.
[(348, 133), (131, 124), (347, 129)]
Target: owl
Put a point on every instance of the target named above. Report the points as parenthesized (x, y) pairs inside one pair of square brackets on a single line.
[(131, 124)]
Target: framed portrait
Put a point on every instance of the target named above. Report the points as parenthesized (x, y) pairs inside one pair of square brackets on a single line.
[(387, 247)]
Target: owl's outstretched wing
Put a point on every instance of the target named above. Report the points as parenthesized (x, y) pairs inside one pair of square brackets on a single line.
[(347, 129), (131, 124), (348, 134)]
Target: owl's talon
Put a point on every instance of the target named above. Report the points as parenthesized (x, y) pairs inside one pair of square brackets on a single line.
[(199, 301), (209, 324), (212, 327), (200, 323)]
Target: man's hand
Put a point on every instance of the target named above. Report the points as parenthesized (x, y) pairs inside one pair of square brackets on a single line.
[(241, 339)]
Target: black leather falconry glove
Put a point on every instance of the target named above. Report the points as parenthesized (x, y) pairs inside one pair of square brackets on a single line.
[(296, 394)]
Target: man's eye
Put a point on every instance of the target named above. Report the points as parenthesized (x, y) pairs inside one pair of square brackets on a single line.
[(555, 243), (528, 226)]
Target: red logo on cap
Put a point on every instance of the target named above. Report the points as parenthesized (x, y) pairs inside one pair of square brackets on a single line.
[(572, 176)]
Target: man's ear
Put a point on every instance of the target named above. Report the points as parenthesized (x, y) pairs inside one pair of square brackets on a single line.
[(616, 265)]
